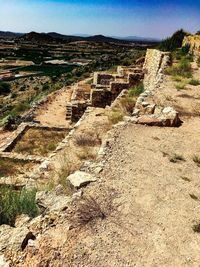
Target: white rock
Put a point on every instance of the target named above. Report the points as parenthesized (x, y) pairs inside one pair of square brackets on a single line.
[(3, 262), (80, 178)]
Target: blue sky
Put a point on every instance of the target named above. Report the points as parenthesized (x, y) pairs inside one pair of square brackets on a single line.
[(154, 18)]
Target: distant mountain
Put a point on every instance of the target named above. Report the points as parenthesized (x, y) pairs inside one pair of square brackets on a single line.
[(137, 39), (54, 37), (69, 38), (102, 38), (9, 35), (35, 37)]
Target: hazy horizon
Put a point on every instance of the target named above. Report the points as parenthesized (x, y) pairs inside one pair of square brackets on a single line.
[(153, 19)]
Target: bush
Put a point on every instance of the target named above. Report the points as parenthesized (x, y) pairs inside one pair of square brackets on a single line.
[(136, 90), (4, 88), (183, 69), (194, 82), (173, 42), (13, 203)]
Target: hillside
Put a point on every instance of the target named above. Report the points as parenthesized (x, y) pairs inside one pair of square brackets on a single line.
[(53, 37)]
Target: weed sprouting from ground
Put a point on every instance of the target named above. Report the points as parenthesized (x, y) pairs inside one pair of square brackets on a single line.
[(196, 159), (194, 82), (176, 158), (63, 171)]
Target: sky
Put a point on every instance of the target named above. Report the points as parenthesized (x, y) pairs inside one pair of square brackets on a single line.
[(146, 18)]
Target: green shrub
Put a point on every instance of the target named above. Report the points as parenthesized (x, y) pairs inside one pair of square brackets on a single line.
[(136, 90), (13, 203), (4, 88), (183, 69), (194, 82), (173, 42), (180, 86)]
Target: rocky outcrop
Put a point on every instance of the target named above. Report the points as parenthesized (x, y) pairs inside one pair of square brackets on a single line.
[(194, 42)]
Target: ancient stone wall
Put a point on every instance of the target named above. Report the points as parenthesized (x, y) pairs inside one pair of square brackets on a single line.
[(101, 98), (155, 63), (194, 42), (103, 78)]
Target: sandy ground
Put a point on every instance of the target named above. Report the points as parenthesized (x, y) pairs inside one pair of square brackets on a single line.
[(54, 112)]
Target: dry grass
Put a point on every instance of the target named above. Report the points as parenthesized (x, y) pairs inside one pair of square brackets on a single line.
[(196, 159), (115, 116), (176, 158), (88, 139), (128, 103), (86, 210), (12, 167), (86, 153), (66, 167), (39, 141)]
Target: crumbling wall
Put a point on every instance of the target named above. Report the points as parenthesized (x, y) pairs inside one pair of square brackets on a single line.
[(194, 42), (101, 98), (155, 63), (78, 109), (103, 78)]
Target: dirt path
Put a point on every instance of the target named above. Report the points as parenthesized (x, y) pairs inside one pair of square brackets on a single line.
[(54, 112)]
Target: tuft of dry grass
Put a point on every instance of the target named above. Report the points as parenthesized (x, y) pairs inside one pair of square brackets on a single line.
[(128, 103), (88, 139), (86, 153), (86, 210), (176, 158), (196, 159), (115, 116), (61, 173)]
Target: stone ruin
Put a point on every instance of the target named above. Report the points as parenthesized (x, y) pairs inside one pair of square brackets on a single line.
[(103, 91), (106, 90)]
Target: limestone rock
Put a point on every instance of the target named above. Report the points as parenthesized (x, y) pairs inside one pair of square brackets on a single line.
[(80, 178), (50, 201), (149, 120), (167, 118), (3, 262)]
